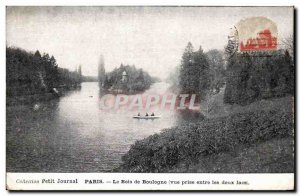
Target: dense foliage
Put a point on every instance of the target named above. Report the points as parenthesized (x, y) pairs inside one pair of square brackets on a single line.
[(28, 73), (199, 72), (194, 72), (249, 76), (258, 75), (128, 79)]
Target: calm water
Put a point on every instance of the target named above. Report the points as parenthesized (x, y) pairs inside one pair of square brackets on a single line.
[(72, 134)]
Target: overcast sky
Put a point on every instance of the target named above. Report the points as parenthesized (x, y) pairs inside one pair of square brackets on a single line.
[(152, 38)]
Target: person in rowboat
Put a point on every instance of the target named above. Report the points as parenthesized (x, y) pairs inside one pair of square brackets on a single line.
[(152, 114), (139, 114), (147, 114)]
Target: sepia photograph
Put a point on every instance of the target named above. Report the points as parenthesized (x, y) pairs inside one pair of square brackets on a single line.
[(144, 90)]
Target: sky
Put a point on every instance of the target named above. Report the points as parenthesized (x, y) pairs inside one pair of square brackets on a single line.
[(152, 38)]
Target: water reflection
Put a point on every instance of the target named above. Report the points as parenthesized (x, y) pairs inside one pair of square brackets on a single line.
[(73, 134)]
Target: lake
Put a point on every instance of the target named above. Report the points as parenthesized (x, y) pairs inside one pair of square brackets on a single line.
[(72, 133)]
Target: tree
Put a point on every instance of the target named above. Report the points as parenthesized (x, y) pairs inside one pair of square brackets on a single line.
[(31, 73), (232, 80), (203, 72), (288, 44), (37, 54), (186, 69), (258, 75), (101, 72), (79, 74), (194, 73), (217, 67)]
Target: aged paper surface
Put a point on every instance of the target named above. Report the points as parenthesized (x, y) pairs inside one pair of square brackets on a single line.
[(150, 98)]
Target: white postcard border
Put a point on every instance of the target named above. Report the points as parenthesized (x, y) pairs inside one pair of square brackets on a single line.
[(149, 181)]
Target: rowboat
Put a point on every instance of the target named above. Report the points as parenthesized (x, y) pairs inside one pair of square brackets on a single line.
[(146, 117)]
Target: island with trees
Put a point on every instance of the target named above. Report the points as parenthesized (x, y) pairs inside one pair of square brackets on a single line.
[(126, 79)]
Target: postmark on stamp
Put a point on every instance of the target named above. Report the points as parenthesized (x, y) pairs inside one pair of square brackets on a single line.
[(252, 34), (257, 34), (233, 42)]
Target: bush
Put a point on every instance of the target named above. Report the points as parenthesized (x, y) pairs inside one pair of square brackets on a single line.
[(188, 143)]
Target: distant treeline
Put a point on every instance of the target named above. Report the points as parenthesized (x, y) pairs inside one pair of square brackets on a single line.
[(127, 79), (32, 73), (89, 78)]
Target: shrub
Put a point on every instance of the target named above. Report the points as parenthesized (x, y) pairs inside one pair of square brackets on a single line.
[(188, 143)]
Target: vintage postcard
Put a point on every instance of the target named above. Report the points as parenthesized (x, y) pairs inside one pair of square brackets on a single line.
[(150, 98)]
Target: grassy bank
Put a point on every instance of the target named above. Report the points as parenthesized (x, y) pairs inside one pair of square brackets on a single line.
[(249, 139)]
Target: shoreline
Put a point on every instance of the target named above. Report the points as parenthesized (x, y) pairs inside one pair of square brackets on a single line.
[(236, 139), (31, 98)]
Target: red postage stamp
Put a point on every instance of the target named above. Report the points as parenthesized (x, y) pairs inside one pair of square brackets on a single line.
[(257, 34)]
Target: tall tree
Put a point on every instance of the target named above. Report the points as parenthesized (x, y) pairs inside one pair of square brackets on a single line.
[(101, 72), (37, 54), (79, 74), (203, 72), (194, 73), (186, 69), (217, 67)]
